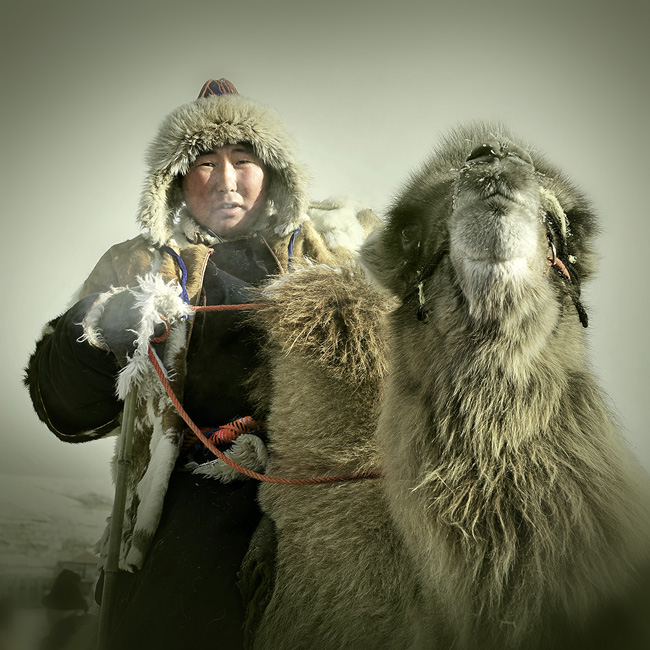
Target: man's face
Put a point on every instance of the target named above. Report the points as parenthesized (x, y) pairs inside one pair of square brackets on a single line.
[(225, 189)]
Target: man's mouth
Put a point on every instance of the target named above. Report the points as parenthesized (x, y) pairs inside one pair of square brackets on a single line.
[(228, 207)]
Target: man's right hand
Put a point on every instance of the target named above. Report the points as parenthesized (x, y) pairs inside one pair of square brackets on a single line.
[(117, 326)]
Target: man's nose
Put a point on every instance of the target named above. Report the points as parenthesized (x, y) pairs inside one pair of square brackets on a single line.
[(226, 178)]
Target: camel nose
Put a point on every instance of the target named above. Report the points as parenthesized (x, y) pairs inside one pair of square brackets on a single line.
[(483, 152), (489, 150)]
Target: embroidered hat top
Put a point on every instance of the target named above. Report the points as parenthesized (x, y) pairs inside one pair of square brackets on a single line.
[(218, 87)]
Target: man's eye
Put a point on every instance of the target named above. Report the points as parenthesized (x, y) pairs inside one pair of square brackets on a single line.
[(243, 162)]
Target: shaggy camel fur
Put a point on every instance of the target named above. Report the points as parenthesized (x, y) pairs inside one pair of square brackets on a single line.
[(510, 514), (323, 372)]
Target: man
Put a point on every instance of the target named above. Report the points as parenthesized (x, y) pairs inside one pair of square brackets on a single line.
[(224, 206)]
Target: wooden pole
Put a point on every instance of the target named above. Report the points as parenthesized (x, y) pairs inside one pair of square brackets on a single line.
[(111, 569)]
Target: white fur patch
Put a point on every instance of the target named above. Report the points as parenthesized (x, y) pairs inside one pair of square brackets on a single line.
[(248, 450), (154, 298), (479, 279), (153, 485), (336, 221), (134, 560), (507, 272), (92, 331)]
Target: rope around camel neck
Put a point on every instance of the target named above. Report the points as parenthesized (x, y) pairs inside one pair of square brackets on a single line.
[(218, 453)]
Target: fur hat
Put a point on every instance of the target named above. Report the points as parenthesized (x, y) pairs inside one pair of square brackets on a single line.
[(218, 117), (66, 593)]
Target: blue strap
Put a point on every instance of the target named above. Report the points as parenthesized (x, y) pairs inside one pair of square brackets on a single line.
[(181, 265), (294, 236)]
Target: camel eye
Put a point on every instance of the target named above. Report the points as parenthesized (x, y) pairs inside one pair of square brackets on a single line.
[(411, 237)]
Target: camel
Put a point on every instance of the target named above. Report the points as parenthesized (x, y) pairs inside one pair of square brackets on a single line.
[(509, 514)]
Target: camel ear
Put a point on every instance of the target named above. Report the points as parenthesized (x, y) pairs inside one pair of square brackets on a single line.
[(383, 255), (372, 255)]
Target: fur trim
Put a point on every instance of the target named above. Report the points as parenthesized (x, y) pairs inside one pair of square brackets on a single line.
[(152, 487), (92, 332), (192, 232), (154, 298), (210, 122)]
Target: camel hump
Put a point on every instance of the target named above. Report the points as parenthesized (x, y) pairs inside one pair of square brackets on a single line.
[(330, 316)]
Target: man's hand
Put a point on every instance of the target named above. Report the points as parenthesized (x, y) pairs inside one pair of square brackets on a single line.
[(117, 323)]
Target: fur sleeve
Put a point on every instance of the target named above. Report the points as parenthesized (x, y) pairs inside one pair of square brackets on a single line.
[(72, 383)]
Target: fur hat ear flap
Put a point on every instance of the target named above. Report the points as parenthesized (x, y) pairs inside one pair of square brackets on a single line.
[(158, 204), (288, 196)]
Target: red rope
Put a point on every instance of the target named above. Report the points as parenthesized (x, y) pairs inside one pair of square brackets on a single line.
[(226, 433), (249, 305), (559, 264), (240, 468), (232, 430)]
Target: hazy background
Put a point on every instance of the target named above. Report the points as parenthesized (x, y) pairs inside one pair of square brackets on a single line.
[(366, 88)]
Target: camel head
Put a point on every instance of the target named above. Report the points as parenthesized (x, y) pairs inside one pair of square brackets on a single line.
[(503, 468), (512, 231)]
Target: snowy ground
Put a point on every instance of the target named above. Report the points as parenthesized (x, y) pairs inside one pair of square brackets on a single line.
[(30, 626), (43, 519)]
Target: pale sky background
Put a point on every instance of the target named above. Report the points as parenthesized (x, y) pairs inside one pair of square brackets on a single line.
[(367, 88)]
